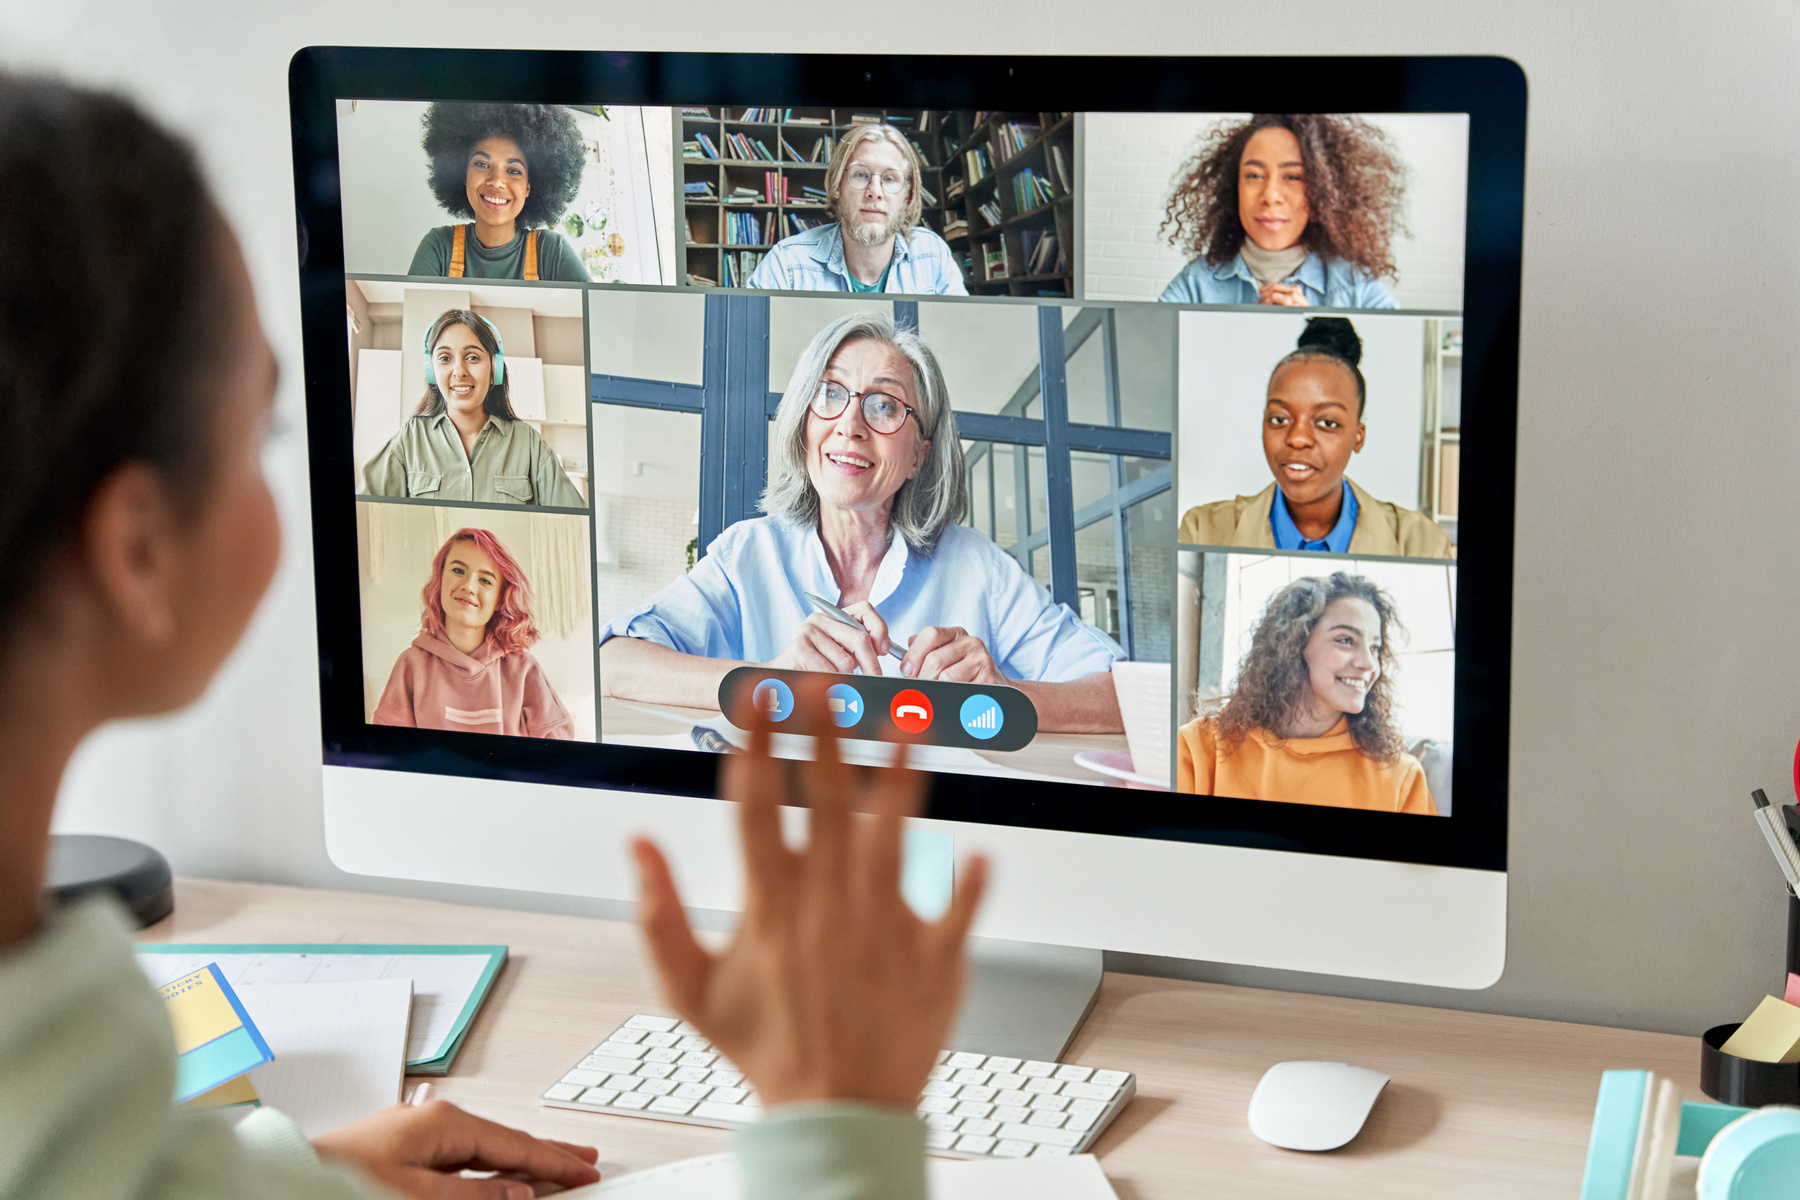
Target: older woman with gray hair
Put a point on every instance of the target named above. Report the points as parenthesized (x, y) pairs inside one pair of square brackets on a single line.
[(866, 486)]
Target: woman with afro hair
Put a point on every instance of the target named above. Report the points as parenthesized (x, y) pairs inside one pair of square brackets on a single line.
[(509, 170), (1310, 719), (1296, 209)]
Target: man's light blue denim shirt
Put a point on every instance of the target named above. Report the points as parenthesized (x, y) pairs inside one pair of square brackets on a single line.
[(747, 599), (1328, 283), (1288, 535), (814, 262)]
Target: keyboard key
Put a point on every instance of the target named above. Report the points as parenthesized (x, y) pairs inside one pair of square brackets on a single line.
[(656, 1070), (1036, 1070), (1086, 1108), (634, 1100), (978, 1078), (939, 1087), (609, 1066), (947, 1122), (1049, 1103), (686, 1030), (936, 1104), (693, 1042), (692, 1091), (655, 1087), (698, 1058), (620, 1050), (968, 1109), (1081, 1122), (1110, 1078), (941, 1072), (979, 1127), (1074, 1074), (1014, 1097), (1088, 1091), (1011, 1149), (1035, 1135), (663, 1054), (1048, 1120), (1050, 1151), (599, 1096), (1002, 1064), (586, 1078), (563, 1091), (669, 1106), (724, 1078), (1046, 1087), (980, 1095), (632, 1036), (965, 1059), (941, 1139), (653, 1024), (623, 1083), (662, 1041), (943, 1057), (752, 1098), (729, 1095), (1006, 1081), (974, 1144), (1010, 1113), (691, 1075), (712, 1110)]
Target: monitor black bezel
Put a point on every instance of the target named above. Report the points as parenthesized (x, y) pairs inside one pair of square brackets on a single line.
[(1491, 90)]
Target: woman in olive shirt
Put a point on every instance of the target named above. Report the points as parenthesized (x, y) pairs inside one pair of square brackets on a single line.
[(465, 442)]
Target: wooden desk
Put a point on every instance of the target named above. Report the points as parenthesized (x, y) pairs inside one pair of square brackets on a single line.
[(1480, 1106)]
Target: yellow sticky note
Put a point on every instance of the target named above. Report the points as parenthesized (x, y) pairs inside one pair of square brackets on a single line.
[(231, 1092), (1772, 1034), (199, 1011)]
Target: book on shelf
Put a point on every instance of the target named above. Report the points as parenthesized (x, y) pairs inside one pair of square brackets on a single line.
[(1013, 136), (990, 212), (787, 148), (702, 280), (1060, 163), (799, 224), (1031, 190), (775, 189), (761, 116), (705, 144), (812, 192), (956, 226), (736, 267), (743, 194), (1043, 256), (955, 188), (749, 229), (691, 150), (698, 114), (979, 165), (928, 120), (791, 119), (865, 119), (699, 187), (994, 261), (926, 197), (747, 148)]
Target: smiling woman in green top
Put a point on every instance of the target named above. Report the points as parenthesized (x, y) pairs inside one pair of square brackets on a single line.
[(465, 442)]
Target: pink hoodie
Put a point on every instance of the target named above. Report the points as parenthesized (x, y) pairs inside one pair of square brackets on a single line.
[(436, 686)]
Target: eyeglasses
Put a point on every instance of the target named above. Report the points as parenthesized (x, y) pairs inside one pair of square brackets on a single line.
[(860, 178), (881, 412)]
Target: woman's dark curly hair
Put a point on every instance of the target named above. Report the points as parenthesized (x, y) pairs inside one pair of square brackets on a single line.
[(1273, 682), (1355, 190), (554, 154)]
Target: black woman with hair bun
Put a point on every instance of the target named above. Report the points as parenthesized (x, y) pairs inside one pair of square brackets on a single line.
[(1312, 424), (509, 171)]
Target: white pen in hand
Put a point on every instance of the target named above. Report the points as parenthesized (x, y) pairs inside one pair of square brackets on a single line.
[(837, 614)]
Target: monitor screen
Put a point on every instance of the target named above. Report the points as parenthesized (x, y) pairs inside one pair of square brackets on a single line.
[(1143, 461)]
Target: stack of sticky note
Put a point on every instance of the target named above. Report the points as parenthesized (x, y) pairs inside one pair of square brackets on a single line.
[(215, 1040), (1772, 1034)]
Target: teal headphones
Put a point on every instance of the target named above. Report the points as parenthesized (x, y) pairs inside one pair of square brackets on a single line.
[(499, 353)]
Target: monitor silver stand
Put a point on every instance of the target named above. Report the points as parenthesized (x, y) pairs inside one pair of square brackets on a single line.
[(1025, 999)]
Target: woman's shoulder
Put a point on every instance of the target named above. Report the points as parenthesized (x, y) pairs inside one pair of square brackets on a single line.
[(1392, 529), (1198, 283), (1348, 285), (967, 544), (1216, 522)]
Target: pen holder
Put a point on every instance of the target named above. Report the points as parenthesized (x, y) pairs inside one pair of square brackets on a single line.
[(1742, 1081)]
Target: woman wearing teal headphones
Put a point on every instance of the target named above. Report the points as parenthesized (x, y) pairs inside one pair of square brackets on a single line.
[(465, 442)]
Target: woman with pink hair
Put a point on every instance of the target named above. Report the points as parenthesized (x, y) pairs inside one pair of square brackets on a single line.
[(471, 667)]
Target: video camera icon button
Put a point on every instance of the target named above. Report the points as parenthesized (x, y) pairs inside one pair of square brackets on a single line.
[(846, 704), (911, 711)]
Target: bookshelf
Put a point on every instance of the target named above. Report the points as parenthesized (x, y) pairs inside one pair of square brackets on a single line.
[(743, 203)]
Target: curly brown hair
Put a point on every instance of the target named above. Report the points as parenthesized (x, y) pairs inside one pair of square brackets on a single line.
[(1273, 682), (1355, 190)]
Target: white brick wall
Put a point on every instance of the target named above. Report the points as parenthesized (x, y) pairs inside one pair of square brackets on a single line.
[(648, 541), (1130, 161)]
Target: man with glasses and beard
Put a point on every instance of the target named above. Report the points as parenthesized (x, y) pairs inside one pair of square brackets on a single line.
[(876, 244)]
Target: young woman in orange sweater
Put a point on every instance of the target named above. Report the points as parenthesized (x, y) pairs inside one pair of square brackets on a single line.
[(1310, 720)]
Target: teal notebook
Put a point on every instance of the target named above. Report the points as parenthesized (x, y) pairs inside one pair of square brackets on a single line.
[(449, 982)]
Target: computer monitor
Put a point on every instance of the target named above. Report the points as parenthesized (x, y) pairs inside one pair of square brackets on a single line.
[(1178, 435)]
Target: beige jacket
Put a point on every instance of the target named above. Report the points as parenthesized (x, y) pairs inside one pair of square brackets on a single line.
[(1382, 529)]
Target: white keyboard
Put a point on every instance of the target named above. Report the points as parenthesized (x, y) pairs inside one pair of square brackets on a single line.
[(975, 1106)]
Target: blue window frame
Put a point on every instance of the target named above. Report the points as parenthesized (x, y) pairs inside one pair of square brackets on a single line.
[(735, 405)]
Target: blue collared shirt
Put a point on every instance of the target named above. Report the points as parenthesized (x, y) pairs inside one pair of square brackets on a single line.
[(1328, 283), (747, 599), (814, 262), (1289, 537)]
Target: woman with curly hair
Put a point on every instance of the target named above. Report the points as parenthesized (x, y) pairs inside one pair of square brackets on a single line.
[(471, 667), (1297, 209), (1312, 423), (510, 169), (1310, 720)]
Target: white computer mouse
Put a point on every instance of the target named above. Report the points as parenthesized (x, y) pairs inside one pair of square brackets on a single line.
[(1313, 1105)]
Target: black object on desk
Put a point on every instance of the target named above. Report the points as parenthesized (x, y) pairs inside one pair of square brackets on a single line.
[(1743, 1081), (84, 863)]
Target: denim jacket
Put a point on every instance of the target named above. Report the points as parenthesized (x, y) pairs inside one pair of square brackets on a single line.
[(1328, 283), (814, 262)]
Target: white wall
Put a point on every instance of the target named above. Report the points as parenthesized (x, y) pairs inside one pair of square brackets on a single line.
[(1658, 434), (1132, 159), (1224, 378)]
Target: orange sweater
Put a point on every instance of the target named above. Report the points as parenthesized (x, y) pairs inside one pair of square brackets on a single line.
[(1327, 770)]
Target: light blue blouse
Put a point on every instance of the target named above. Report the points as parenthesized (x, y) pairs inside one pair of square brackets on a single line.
[(747, 599), (1328, 283)]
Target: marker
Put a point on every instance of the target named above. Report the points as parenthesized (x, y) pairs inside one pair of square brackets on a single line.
[(837, 614), (1775, 831)]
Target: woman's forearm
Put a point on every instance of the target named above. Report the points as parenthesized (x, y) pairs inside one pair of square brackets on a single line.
[(1086, 705), (633, 669)]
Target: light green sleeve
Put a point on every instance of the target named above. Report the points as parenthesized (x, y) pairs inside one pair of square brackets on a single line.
[(833, 1151), (385, 474), (549, 483)]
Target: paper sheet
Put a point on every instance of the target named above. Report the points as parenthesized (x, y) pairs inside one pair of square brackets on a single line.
[(714, 1177), (339, 1047), (441, 983)]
